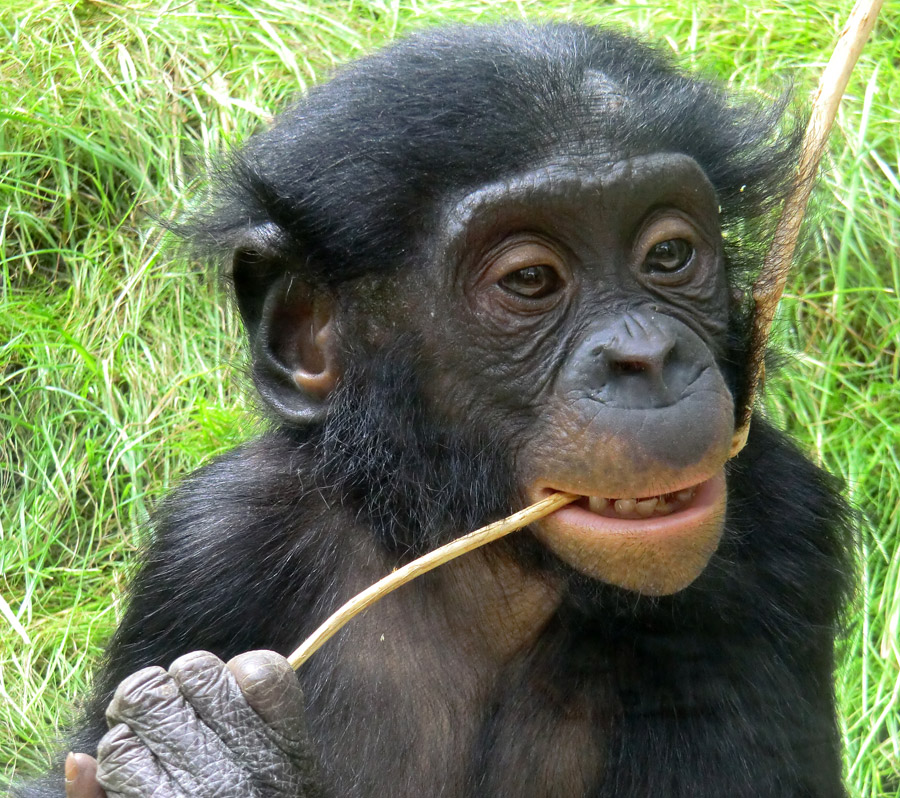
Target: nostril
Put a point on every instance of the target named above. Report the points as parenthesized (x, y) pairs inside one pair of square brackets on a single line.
[(628, 367)]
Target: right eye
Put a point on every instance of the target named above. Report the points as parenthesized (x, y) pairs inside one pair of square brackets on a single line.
[(668, 257), (532, 282)]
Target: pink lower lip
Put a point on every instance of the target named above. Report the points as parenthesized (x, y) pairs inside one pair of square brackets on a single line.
[(702, 505)]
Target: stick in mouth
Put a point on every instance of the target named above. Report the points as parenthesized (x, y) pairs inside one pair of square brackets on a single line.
[(423, 565)]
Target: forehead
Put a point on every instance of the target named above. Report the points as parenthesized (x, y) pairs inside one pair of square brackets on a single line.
[(576, 185)]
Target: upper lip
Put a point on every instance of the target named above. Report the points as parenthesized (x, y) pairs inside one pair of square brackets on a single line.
[(641, 492)]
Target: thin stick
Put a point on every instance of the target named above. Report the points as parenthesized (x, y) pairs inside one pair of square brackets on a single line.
[(423, 565), (770, 284)]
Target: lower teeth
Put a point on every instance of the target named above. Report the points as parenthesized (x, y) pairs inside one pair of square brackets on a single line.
[(597, 504), (646, 507)]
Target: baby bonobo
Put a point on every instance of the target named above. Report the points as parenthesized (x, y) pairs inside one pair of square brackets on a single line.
[(477, 267)]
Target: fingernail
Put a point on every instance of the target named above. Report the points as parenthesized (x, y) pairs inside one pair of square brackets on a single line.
[(71, 768)]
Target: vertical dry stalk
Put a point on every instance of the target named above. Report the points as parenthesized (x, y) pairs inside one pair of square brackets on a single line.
[(770, 284)]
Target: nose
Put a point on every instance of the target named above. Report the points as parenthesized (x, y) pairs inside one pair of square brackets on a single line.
[(640, 359), (639, 346)]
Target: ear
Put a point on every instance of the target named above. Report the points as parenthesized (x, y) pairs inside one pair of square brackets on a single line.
[(292, 329)]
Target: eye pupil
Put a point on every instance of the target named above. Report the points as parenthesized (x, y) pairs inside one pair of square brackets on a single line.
[(668, 256), (532, 282)]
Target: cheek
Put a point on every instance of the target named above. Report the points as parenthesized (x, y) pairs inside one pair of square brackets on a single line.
[(475, 377)]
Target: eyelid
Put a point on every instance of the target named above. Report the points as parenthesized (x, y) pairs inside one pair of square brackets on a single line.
[(524, 254), (555, 282), (518, 251), (666, 225), (663, 226), (513, 253)]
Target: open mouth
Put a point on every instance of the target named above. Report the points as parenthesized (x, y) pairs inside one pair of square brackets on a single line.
[(662, 513), (651, 543), (641, 506)]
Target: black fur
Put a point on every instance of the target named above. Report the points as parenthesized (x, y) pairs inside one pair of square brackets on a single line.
[(722, 689), (375, 151)]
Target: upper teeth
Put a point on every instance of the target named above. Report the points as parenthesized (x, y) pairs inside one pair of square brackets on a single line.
[(597, 503), (641, 508), (625, 506)]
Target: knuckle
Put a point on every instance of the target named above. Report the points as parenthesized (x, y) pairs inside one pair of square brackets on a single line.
[(197, 669), (261, 670), (117, 745), (198, 661), (141, 692)]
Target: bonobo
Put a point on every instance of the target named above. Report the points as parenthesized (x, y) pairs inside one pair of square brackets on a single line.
[(485, 264)]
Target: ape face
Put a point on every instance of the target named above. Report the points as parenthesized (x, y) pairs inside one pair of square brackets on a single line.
[(577, 309), (550, 254)]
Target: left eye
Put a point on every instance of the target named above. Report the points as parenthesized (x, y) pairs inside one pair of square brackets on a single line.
[(532, 282), (668, 256)]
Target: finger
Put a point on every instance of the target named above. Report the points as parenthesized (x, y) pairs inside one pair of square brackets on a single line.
[(127, 769), (211, 689), (81, 777), (271, 688), (151, 704)]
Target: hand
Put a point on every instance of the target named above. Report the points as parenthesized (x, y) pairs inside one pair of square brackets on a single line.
[(202, 729)]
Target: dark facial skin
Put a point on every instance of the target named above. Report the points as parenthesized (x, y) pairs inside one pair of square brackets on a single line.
[(589, 301)]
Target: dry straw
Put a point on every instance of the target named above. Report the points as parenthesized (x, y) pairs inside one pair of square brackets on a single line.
[(423, 565), (770, 284)]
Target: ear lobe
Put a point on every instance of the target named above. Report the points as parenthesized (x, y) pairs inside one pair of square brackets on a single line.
[(295, 351)]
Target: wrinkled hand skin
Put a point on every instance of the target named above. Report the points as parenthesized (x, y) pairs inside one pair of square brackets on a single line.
[(202, 729)]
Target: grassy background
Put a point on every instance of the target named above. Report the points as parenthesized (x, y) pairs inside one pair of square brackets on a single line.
[(117, 363)]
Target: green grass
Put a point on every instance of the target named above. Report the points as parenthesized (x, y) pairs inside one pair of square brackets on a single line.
[(117, 362)]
